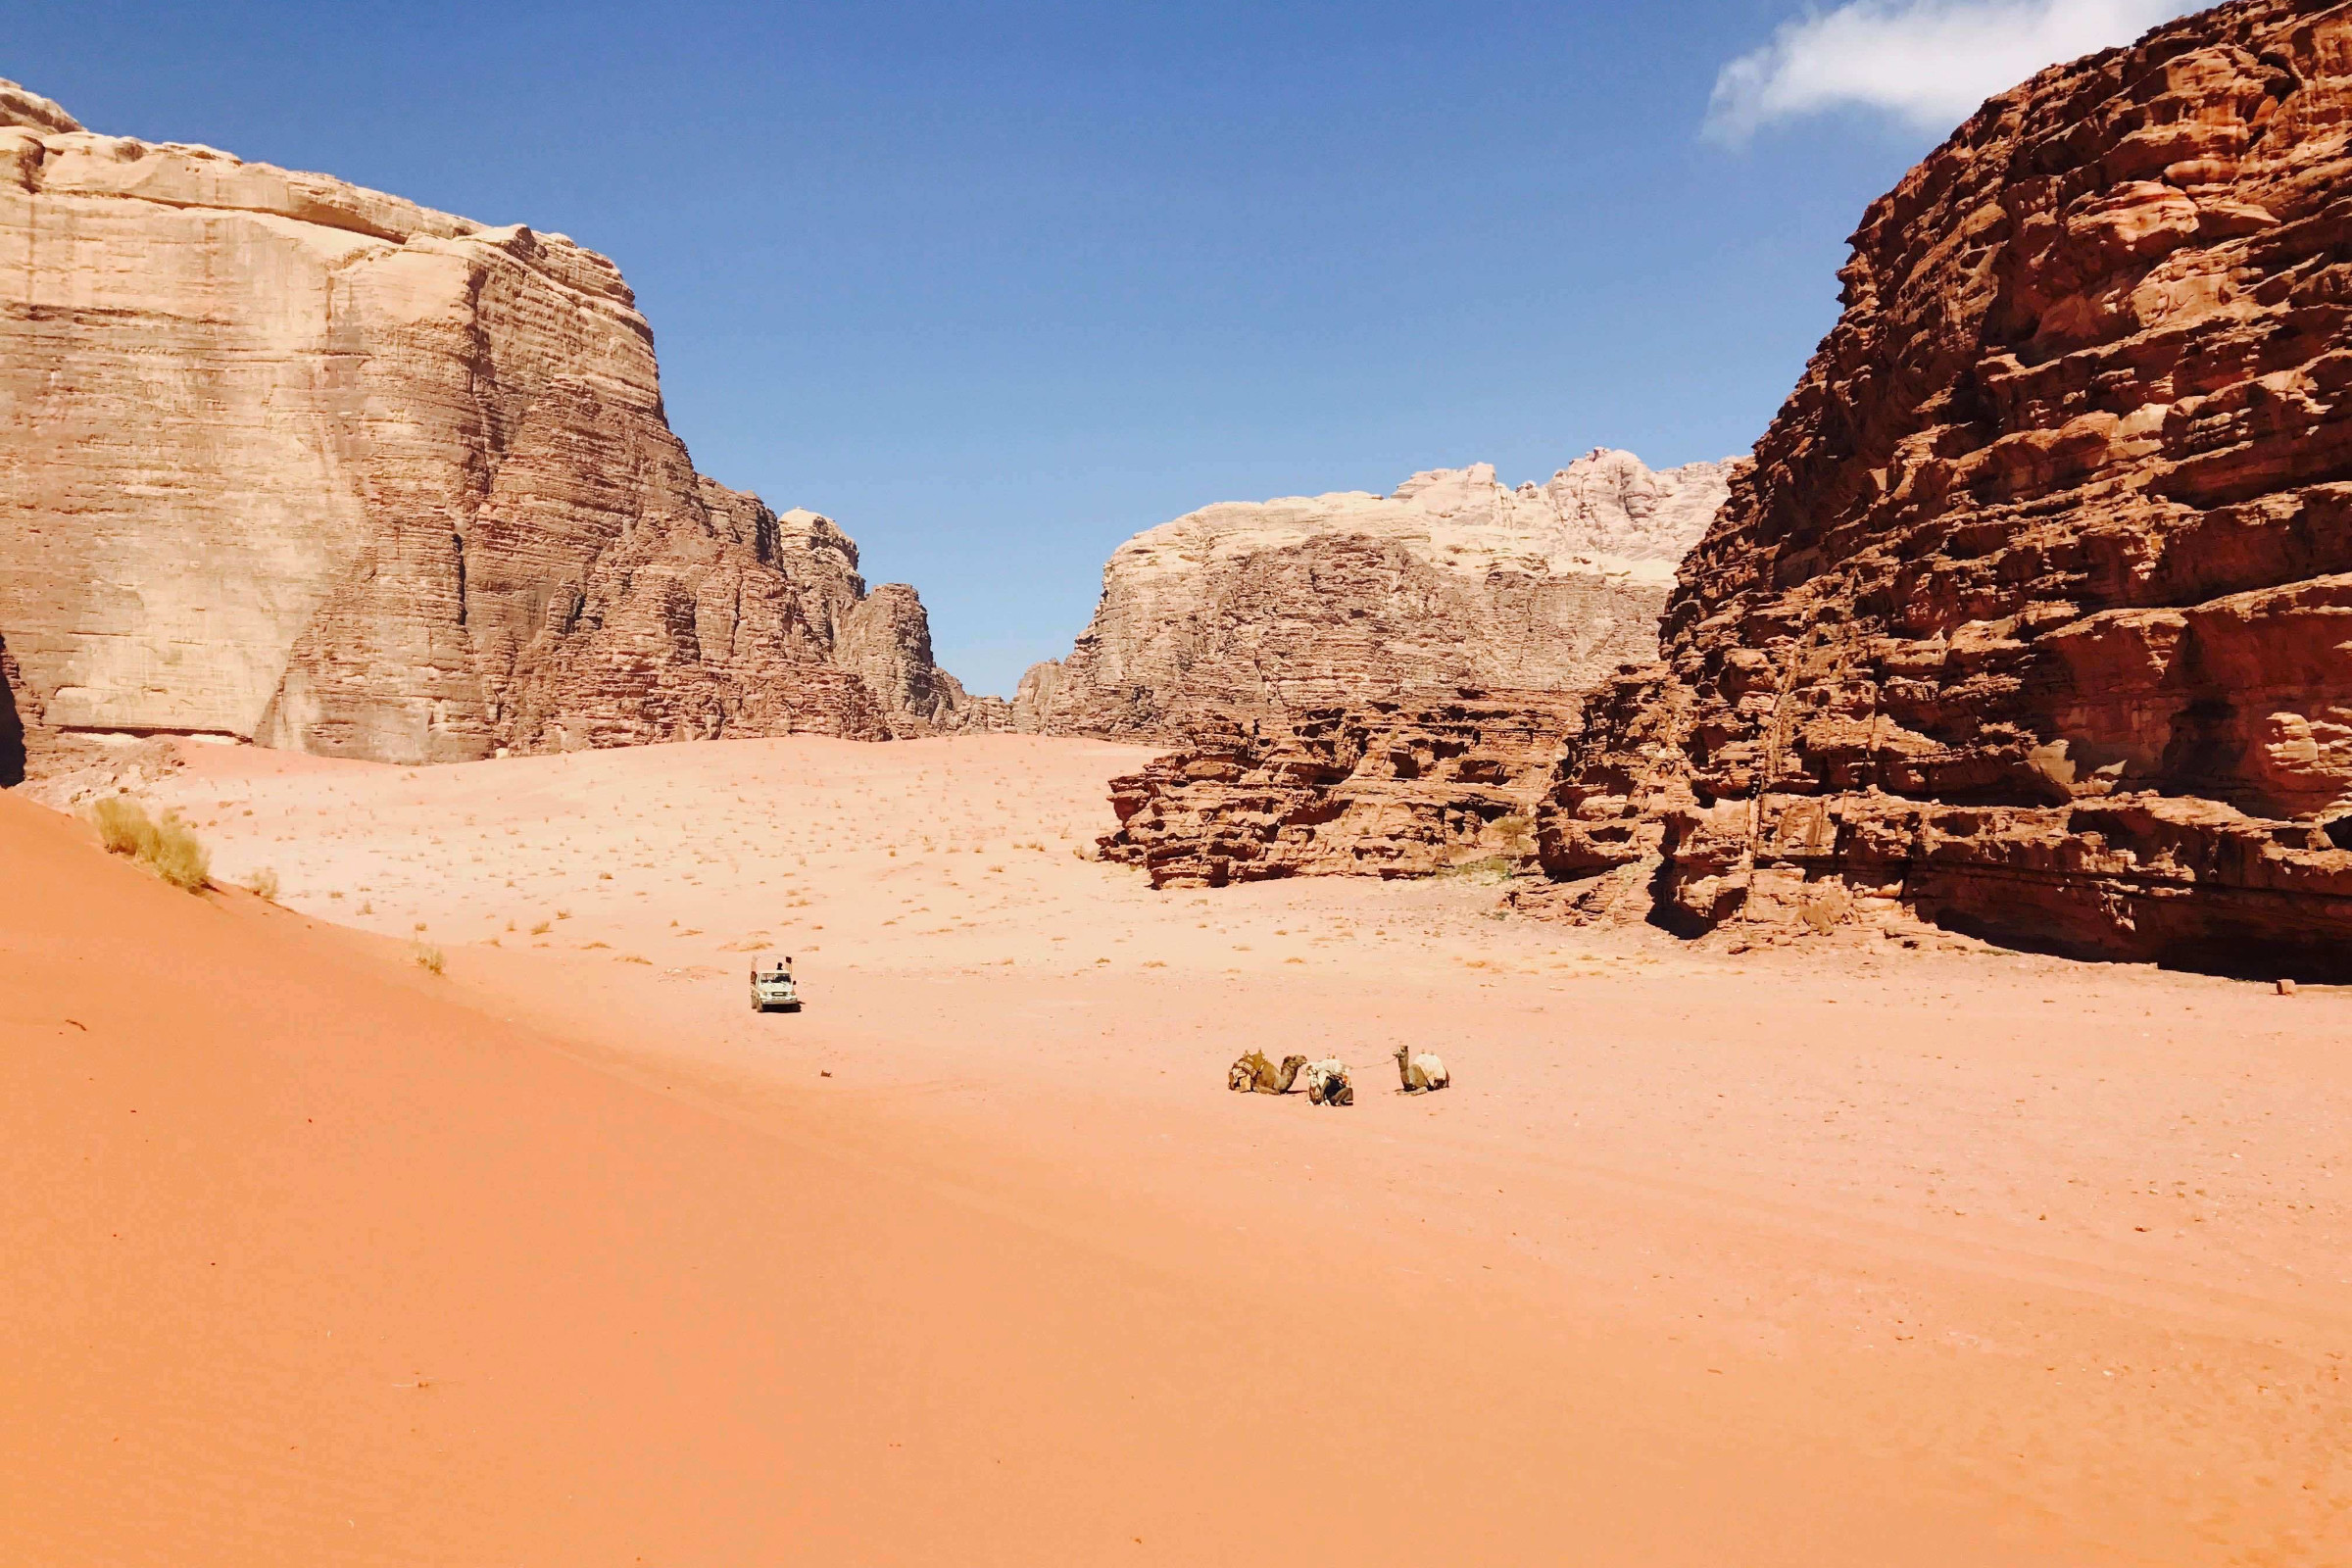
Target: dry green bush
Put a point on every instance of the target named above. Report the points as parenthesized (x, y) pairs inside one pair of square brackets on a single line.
[(121, 824), (165, 845), (263, 884), (1517, 834)]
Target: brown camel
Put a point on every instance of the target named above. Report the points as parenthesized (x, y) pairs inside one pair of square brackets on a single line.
[(1254, 1074)]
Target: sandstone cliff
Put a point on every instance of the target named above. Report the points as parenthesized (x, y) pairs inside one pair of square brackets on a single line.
[(2032, 613), (1393, 788), (1261, 613), (286, 460)]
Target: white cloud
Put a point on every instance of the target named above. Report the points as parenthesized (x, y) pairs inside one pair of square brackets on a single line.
[(1928, 63)]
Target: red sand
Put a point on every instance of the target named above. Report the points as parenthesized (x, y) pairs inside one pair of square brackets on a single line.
[(562, 1259)]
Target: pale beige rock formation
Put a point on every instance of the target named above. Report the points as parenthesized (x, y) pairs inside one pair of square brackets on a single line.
[(286, 460), (1247, 612)]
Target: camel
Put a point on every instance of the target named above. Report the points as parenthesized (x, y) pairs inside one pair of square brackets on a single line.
[(1253, 1073), (1327, 1083), (1422, 1073)]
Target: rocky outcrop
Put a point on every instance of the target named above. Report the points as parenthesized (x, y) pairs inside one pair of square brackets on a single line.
[(290, 460), (886, 640), (1403, 787), (1261, 613), (2031, 616)]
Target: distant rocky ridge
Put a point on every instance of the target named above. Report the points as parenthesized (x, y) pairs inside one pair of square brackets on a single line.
[(293, 462), (1247, 614), (2032, 616)]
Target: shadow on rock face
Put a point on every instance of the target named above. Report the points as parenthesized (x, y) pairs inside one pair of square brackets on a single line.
[(12, 724)]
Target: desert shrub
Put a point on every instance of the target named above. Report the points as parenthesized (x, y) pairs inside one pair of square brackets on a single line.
[(165, 845), (263, 884), (1517, 834), (180, 857), (123, 825), (427, 957)]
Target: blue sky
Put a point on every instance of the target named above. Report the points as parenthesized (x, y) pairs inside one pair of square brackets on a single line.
[(998, 285)]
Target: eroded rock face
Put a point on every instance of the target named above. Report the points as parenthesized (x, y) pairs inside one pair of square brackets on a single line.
[(291, 460), (2032, 612), (1262, 613), (1403, 787)]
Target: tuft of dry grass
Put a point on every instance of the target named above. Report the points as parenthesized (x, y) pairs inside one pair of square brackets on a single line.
[(262, 884), (427, 957), (165, 845), (121, 824)]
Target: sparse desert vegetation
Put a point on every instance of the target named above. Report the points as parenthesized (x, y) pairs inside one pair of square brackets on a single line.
[(1084, 1014), (166, 845)]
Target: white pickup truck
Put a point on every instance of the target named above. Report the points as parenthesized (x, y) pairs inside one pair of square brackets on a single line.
[(772, 987)]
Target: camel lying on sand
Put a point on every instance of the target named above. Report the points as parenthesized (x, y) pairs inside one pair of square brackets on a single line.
[(1254, 1074), (1421, 1073), (1327, 1083)]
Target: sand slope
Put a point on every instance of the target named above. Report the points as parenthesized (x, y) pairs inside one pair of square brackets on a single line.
[(567, 1259)]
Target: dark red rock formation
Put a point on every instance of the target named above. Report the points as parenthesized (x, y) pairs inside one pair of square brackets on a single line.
[(2034, 614), (1391, 787)]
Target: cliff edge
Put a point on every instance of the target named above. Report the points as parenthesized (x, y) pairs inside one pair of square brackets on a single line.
[(297, 463)]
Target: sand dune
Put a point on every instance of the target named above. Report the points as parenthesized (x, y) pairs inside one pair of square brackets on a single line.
[(567, 1257)]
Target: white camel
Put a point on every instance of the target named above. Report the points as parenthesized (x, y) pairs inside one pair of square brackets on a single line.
[(1327, 1083), (1421, 1073)]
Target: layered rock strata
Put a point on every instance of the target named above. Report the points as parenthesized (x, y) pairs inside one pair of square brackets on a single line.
[(1259, 612), (1402, 787), (2031, 616), (289, 460)]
